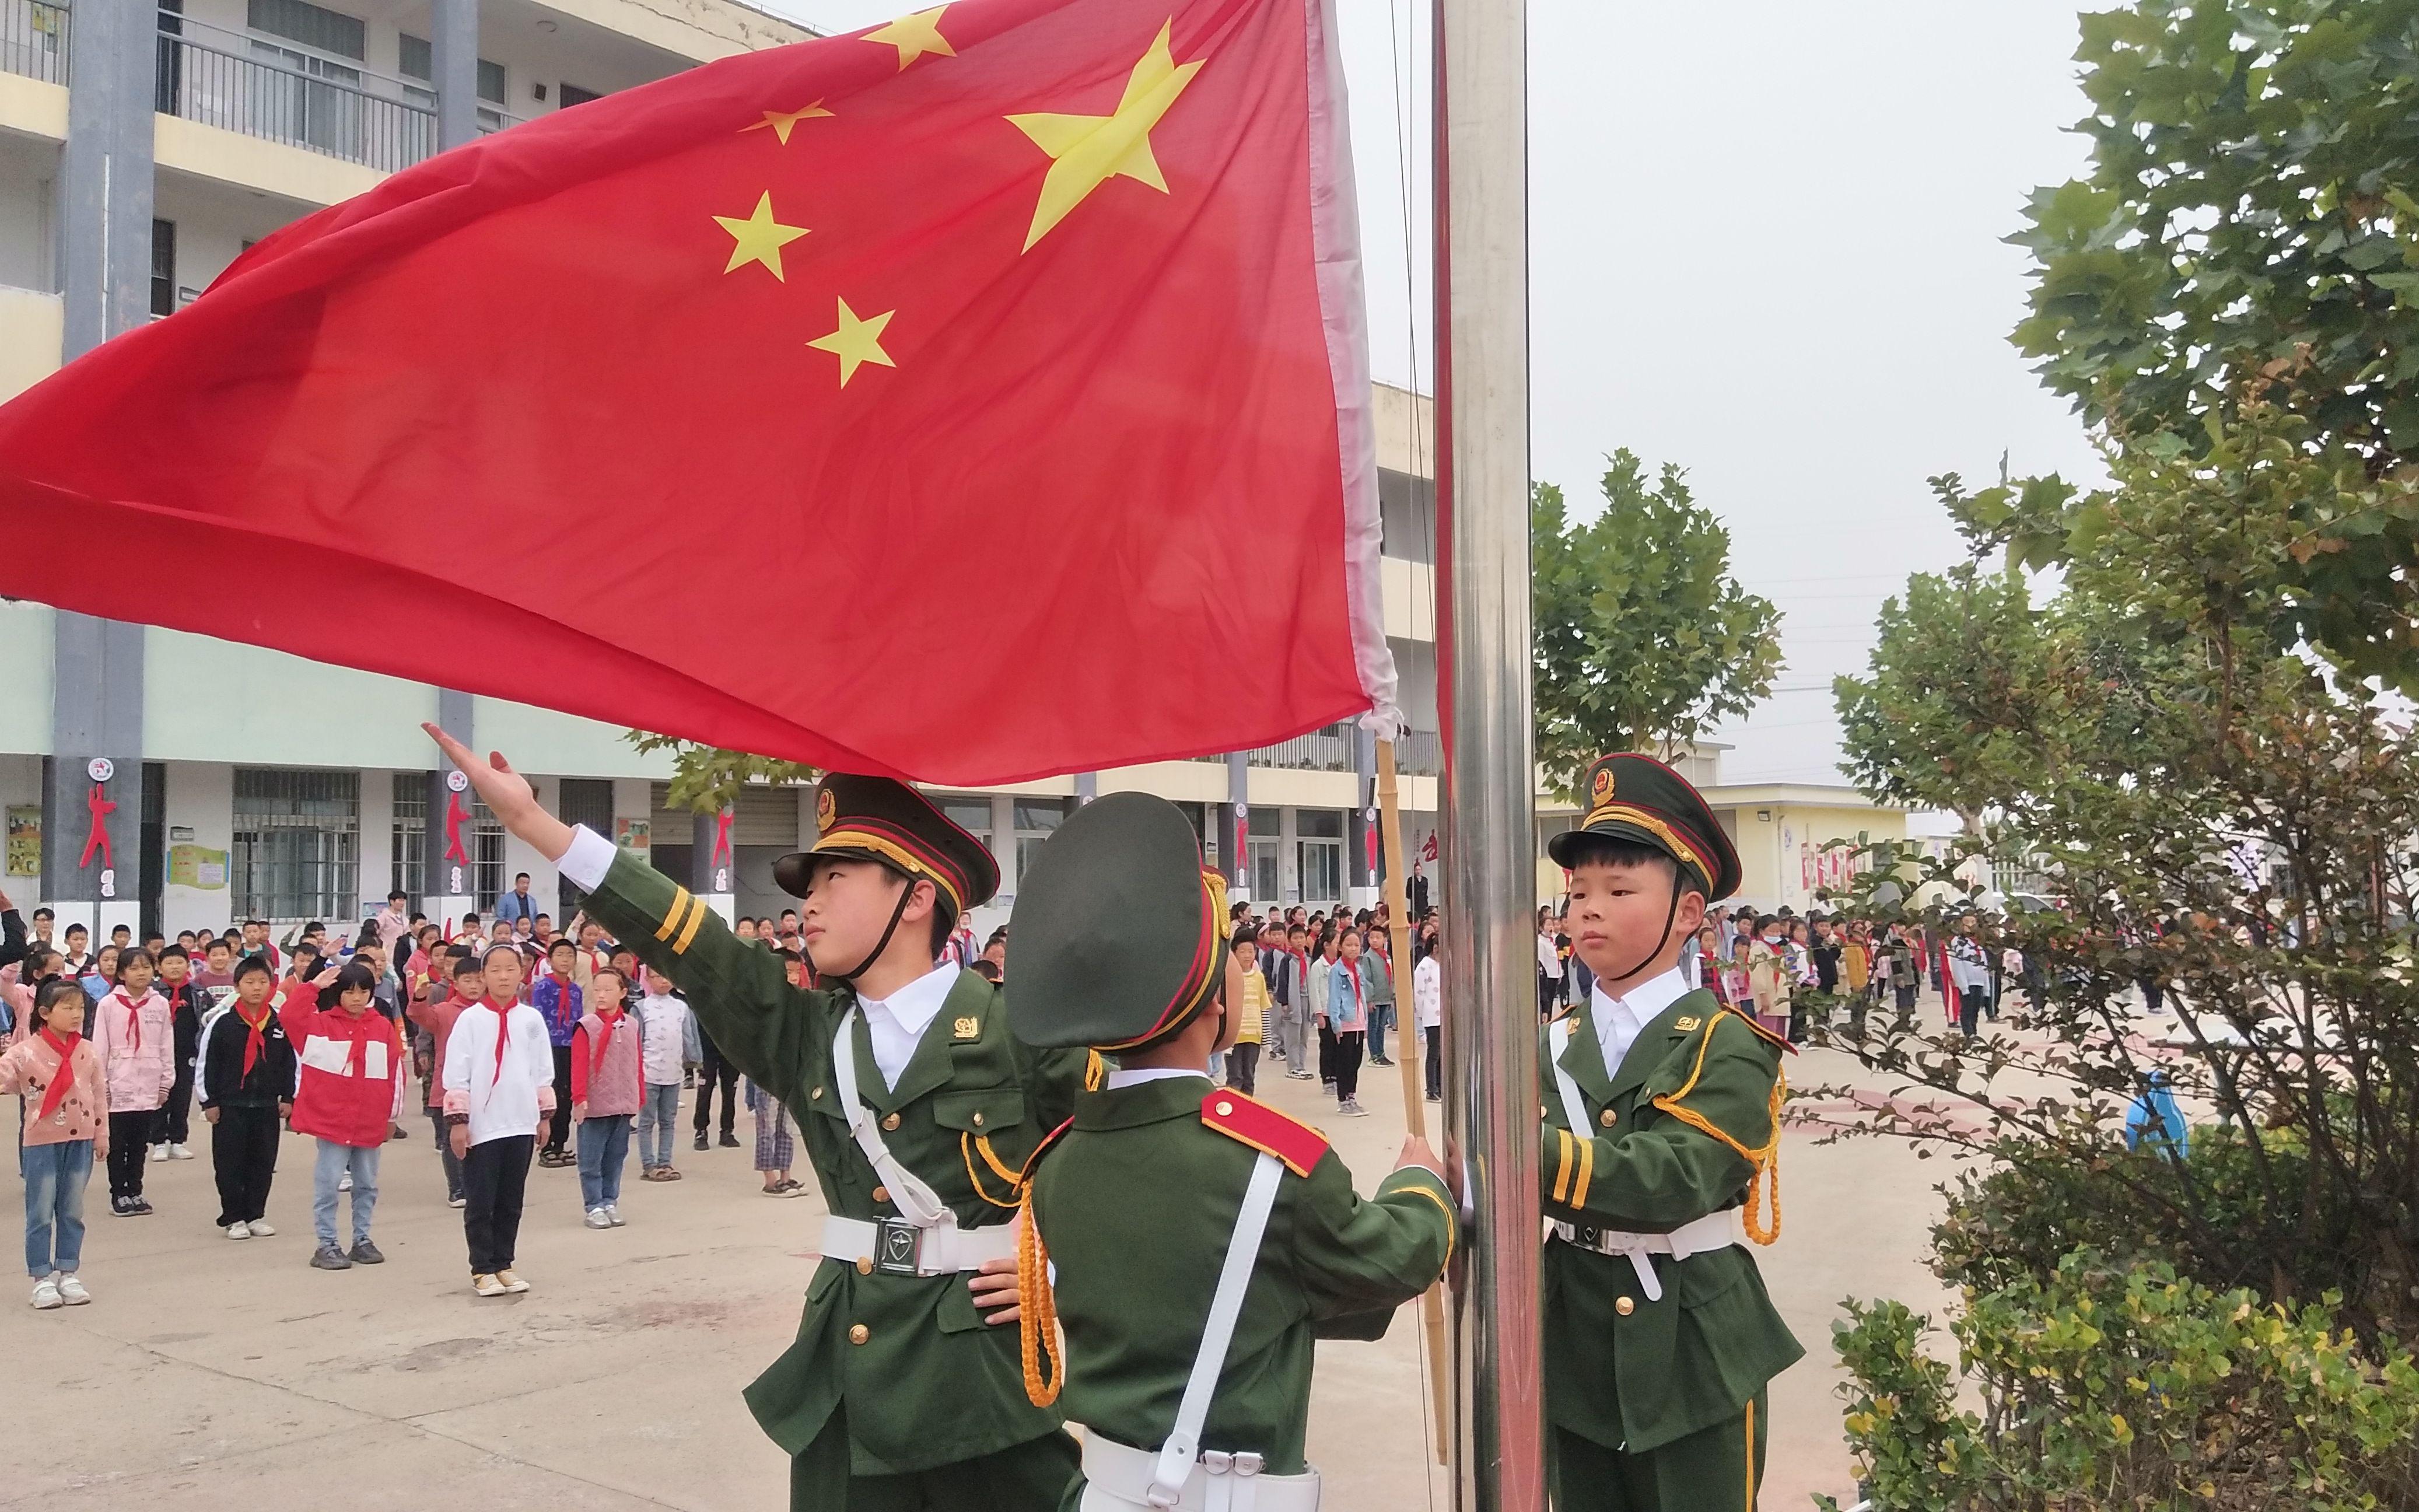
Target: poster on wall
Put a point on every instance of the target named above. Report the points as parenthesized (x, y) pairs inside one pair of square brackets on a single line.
[(633, 835), (24, 840), (196, 866)]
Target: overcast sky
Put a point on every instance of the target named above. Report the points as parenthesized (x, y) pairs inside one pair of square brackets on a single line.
[(1764, 244)]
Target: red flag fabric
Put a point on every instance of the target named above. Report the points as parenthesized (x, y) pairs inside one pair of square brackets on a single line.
[(971, 398)]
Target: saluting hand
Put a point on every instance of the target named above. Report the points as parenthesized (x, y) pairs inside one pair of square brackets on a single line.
[(508, 795)]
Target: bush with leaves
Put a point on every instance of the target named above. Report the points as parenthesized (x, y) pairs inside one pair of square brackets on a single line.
[(2108, 1386)]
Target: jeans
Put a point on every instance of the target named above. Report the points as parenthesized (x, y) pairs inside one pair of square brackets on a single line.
[(1381, 1015), (55, 1183), (604, 1148), (494, 1174), (453, 1163), (336, 1161), (1242, 1067), (659, 1116)]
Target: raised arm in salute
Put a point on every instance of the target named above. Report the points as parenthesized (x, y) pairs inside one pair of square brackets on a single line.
[(917, 1108)]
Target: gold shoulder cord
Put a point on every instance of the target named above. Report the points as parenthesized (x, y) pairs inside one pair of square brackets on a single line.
[(968, 1145), (1038, 1311), (1767, 1161)]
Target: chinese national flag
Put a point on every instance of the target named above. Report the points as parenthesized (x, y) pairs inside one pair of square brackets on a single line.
[(972, 398)]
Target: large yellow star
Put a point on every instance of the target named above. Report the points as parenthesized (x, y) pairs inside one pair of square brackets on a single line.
[(1088, 151), (856, 342), (914, 35), (781, 120), (757, 237)]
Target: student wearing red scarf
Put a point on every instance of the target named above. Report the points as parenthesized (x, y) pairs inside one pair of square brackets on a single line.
[(351, 1067), (67, 1126), (245, 1084), (608, 1085)]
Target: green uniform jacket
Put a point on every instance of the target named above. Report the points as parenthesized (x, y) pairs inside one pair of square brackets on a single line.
[(931, 1383), (1666, 1368), (1136, 1204)]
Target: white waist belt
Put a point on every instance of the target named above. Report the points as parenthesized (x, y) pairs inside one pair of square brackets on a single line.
[(901, 1248), (1117, 1478), (1714, 1230)]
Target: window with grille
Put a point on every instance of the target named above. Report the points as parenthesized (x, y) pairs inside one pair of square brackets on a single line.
[(486, 854), (1036, 818), (1319, 855), (297, 850), (410, 871)]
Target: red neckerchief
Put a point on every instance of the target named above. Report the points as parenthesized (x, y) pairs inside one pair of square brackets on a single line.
[(596, 1056), (133, 1019), (503, 1033), (65, 1078), (254, 1040)]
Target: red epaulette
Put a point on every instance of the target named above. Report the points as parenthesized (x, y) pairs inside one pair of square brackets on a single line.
[(1757, 1030), (1263, 1128), (1033, 1162)]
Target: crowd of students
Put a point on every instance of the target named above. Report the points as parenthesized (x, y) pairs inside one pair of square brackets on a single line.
[(527, 1047), (1319, 998)]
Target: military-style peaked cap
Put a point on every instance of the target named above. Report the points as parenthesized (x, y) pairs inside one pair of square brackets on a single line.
[(1121, 932), (1636, 797), (878, 819)]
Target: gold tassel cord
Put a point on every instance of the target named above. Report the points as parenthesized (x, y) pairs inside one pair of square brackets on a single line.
[(1038, 1312), (966, 1144), (1766, 1162)]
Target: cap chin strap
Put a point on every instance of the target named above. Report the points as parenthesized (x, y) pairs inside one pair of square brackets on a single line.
[(892, 928), (1649, 959)]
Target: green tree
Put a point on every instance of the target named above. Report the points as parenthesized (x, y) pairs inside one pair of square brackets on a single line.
[(707, 779), (2248, 236), (1643, 638)]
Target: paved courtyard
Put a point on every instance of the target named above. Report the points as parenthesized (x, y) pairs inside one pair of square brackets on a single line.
[(212, 1373)]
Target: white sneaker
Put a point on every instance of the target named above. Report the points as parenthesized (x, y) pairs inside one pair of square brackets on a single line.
[(598, 1218), (456, 1202), (71, 1292), (511, 1283), (614, 1213), (180, 1152), (160, 1152), (238, 1230), (46, 1293), (344, 1183), (260, 1229)]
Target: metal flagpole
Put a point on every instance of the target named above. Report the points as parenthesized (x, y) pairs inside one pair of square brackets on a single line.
[(1411, 1053), (1483, 660)]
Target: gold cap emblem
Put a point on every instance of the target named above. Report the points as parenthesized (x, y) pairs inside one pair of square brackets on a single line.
[(826, 810), (1603, 783)]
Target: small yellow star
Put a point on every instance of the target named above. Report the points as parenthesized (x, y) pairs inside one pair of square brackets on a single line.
[(1088, 151), (757, 237), (781, 120), (856, 340), (914, 35)]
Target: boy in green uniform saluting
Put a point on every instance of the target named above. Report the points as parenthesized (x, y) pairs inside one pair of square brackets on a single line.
[(917, 1108), (1661, 1121), (1202, 1241)]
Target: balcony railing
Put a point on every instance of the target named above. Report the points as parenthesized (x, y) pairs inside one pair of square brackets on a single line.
[(313, 107), (1419, 754), (34, 40)]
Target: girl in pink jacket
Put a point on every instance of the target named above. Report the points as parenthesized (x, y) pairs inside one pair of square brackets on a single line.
[(134, 1036)]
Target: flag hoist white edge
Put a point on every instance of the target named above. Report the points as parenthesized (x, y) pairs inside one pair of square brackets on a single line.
[(1344, 313)]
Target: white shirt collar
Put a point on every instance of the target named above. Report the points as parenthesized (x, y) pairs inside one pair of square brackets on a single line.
[(1150, 1073), (1620, 1020), (916, 1005)]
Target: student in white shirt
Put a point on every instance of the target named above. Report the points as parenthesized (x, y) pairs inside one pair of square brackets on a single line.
[(668, 1045), (499, 1088), (1428, 1011)]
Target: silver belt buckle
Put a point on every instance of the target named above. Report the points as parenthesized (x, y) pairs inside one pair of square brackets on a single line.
[(897, 1246)]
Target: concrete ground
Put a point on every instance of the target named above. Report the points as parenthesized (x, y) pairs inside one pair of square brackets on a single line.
[(210, 1373)]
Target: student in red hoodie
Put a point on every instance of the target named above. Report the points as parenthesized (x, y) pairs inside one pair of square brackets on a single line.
[(352, 1092), (608, 1085), (465, 982)]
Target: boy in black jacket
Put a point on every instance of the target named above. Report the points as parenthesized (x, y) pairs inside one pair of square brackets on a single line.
[(246, 1088)]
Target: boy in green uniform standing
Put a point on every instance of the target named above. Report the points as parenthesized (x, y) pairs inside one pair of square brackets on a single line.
[(1661, 1121), (1202, 1241), (917, 1108)]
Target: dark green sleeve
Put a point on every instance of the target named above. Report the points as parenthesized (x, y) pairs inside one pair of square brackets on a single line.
[(1691, 1159), (1053, 1079), (1357, 1260), (738, 991)]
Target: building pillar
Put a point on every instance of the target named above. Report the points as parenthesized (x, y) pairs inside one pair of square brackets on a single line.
[(104, 217), (713, 864), (1235, 827), (1362, 872), (1087, 787), (454, 59), (448, 878)]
